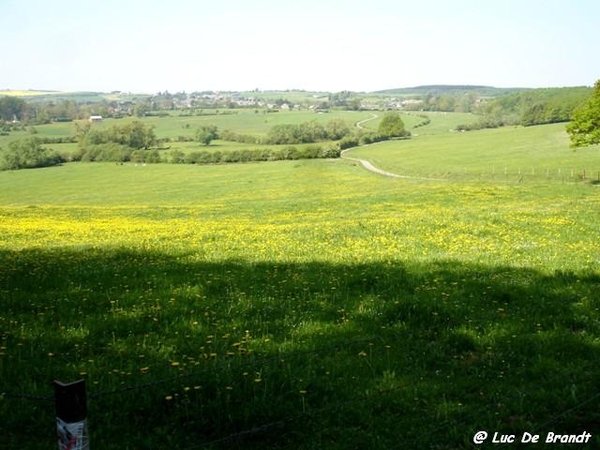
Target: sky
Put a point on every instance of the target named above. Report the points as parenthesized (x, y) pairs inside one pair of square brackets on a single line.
[(316, 45)]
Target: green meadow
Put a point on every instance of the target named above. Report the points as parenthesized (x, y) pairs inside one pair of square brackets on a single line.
[(308, 304), (511, 154), (253, 122)]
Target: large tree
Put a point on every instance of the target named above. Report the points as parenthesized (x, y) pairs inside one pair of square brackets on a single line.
[(392, 125), (206, 134), (584, 128)]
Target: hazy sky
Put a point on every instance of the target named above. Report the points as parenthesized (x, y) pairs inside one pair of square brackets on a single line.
[(330, 45)]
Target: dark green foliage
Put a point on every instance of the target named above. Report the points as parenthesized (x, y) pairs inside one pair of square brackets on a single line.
[(137, 135), (486, 121), (146, 156), (392, 126), (336, 129), (113, 144), (228, 135), (181, 352), (307, 132), (348, 142), (426, 121), (28, 154), (288, 134), (539, 106), (133, 134), (206, 134), (289, 152), (584, 130), (6, 127), (103, 153), (12, 108), (371, 138), (176, 157)]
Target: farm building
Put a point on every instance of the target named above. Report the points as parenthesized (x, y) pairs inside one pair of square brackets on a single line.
[(95, 118)]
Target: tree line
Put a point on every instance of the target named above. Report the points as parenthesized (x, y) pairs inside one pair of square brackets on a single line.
[(28, 153), (14, 109), (584, 129), (136, 142), (530, 107)]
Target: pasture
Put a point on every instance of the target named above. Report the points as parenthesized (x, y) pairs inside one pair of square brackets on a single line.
[(305, 304), (512, 154), (242, 121)]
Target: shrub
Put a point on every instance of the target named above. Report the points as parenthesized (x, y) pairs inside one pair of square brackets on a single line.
[(312, 151), (331, 152), (176, 157), (28, 154), (348, 142)]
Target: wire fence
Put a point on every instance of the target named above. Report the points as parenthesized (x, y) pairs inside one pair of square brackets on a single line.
[(452, 427), (501, 174)]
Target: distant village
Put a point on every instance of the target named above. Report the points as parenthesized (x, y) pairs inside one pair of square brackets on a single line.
[(318, 102), (94, 106)]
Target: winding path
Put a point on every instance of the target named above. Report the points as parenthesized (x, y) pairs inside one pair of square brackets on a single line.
[(367, 165), (359, 124)]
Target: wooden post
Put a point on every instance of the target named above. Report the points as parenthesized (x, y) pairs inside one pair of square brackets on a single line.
[(71, 414)]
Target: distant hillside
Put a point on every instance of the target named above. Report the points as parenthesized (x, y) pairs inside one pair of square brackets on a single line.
[(445, 89), (28, 93)]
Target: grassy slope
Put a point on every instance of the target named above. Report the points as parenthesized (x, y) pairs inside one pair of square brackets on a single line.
[(361, 311), (505, 154)]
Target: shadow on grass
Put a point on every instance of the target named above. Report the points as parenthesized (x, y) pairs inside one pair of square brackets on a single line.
[(182, 352)]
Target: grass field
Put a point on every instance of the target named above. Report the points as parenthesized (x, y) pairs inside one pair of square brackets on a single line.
[(305, 304), (242, 121), (516, 154)]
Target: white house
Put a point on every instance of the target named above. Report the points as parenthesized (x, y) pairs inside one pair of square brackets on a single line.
[(95, 118)]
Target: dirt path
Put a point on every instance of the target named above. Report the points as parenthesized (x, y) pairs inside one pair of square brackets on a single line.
[(359, 124), (367, 165)]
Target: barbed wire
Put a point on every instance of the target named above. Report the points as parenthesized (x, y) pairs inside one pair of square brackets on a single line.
[(281, 422), (246, 363), (360, 399), (560, 416), (369, 396), (24, 396), (182, 376)]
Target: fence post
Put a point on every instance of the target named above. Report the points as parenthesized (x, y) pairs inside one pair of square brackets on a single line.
[(71, 413)]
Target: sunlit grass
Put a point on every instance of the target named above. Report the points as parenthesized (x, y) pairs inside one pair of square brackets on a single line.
[(340, 308), (506, 155)]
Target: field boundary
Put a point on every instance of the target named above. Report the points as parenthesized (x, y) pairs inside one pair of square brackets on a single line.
[(370, 167), (45, 402)]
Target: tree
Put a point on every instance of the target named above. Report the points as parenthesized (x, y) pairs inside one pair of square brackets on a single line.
[(142, 108), (392, 125), (27, 154), (11, 108), (584, 128), (336, 129), (206, 134), (137, 135), (284, 134)]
